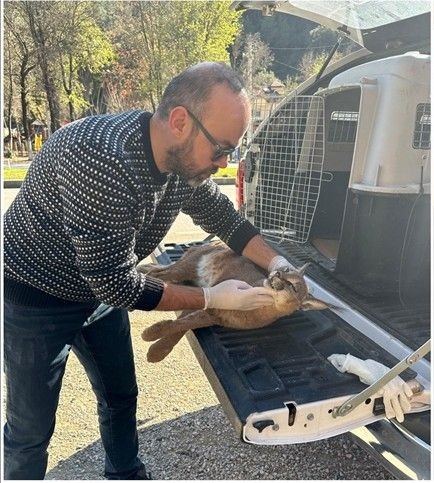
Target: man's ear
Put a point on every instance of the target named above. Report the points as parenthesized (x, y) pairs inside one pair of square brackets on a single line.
[(179, 122), (311, 303)]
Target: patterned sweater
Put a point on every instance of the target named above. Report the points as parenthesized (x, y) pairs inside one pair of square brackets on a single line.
[(92, 206)]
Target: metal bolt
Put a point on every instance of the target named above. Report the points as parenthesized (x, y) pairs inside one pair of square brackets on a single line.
[(310, 417), (275, 427), (412, 359)]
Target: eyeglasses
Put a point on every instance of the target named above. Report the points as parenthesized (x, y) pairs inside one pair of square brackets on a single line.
[(220, 151)]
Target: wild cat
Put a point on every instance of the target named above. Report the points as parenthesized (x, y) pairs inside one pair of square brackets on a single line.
[(210, 264)]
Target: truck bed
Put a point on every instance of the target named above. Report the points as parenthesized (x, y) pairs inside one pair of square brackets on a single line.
[(255, 371)]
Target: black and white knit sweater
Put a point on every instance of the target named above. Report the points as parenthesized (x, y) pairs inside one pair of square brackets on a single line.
[(92, 206)]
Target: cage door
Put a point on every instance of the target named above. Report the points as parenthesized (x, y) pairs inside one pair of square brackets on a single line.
[(290, 170)]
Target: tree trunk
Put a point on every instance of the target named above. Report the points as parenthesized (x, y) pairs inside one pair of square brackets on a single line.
[(50, 90), (24, 72), (70, 104), (35, 14), (23, 97), (19, 143), (71, 111), (10, 99), (29, 149)]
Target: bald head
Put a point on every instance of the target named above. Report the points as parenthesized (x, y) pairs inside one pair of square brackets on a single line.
[(193, 87)]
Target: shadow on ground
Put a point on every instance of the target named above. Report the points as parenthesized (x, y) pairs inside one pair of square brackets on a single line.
[(203, 445)]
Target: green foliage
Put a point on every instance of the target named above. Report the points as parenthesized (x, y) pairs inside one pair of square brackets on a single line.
[(82, 47), (200, 30), (312, 62), (163, 38), (290, 84), (94, 51)]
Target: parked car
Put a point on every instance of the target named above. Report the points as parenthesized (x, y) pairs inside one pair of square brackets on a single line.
[(339, 176)]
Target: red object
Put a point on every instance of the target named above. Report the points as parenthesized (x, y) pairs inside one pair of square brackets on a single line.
[(239, 181)]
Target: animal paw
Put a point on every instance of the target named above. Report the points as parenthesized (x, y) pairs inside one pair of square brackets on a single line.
[(156, 331), (157, 354)]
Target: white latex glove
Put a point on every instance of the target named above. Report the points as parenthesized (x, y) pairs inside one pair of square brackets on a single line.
[(279, 263), (395, 393), (237, 295)]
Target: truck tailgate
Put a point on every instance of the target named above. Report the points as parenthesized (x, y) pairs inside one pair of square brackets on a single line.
[(265, 374)]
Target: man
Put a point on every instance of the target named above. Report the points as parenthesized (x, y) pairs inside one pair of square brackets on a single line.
[(98, 198)]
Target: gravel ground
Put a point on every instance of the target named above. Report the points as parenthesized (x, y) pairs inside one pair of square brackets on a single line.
[(183, 432)]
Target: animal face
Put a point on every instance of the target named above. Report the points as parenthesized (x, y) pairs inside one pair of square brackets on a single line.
[(291, 282), (289, 285)]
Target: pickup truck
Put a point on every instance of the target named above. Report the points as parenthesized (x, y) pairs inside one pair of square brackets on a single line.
[(338, 175)]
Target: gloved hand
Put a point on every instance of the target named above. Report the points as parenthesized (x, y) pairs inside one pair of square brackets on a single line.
[(237, 295), (395, 393), (279, 263)]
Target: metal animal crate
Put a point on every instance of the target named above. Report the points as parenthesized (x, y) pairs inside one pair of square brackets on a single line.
[(291, 156)]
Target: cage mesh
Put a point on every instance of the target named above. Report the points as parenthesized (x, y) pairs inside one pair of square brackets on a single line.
[(343, 127), (291, 155), (422, 129)]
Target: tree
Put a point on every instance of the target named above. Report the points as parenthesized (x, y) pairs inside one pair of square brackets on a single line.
[(287, 37), (252, 57), (312, 62), (9, 89), (20, 43), (82, 48), (37, 15), (321, 36), (165, 37)]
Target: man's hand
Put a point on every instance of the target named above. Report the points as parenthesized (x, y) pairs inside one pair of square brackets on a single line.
[(237, 295), (279, 263), (396, 393)]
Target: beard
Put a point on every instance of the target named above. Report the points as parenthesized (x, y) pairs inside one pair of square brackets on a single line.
[(179, 161)]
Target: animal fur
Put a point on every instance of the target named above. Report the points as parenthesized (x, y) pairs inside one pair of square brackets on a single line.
[(210, 264)]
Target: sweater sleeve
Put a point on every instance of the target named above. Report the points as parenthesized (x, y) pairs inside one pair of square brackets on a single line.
[(97, 204), (215, 213)]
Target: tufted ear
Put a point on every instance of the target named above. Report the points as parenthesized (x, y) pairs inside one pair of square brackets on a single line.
[(303, 268), (311, 303)]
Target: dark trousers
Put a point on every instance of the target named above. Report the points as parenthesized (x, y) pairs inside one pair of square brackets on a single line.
[(36, 347)]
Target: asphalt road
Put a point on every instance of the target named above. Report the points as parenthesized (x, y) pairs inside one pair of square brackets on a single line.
[(183, 432), (8, 195)]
